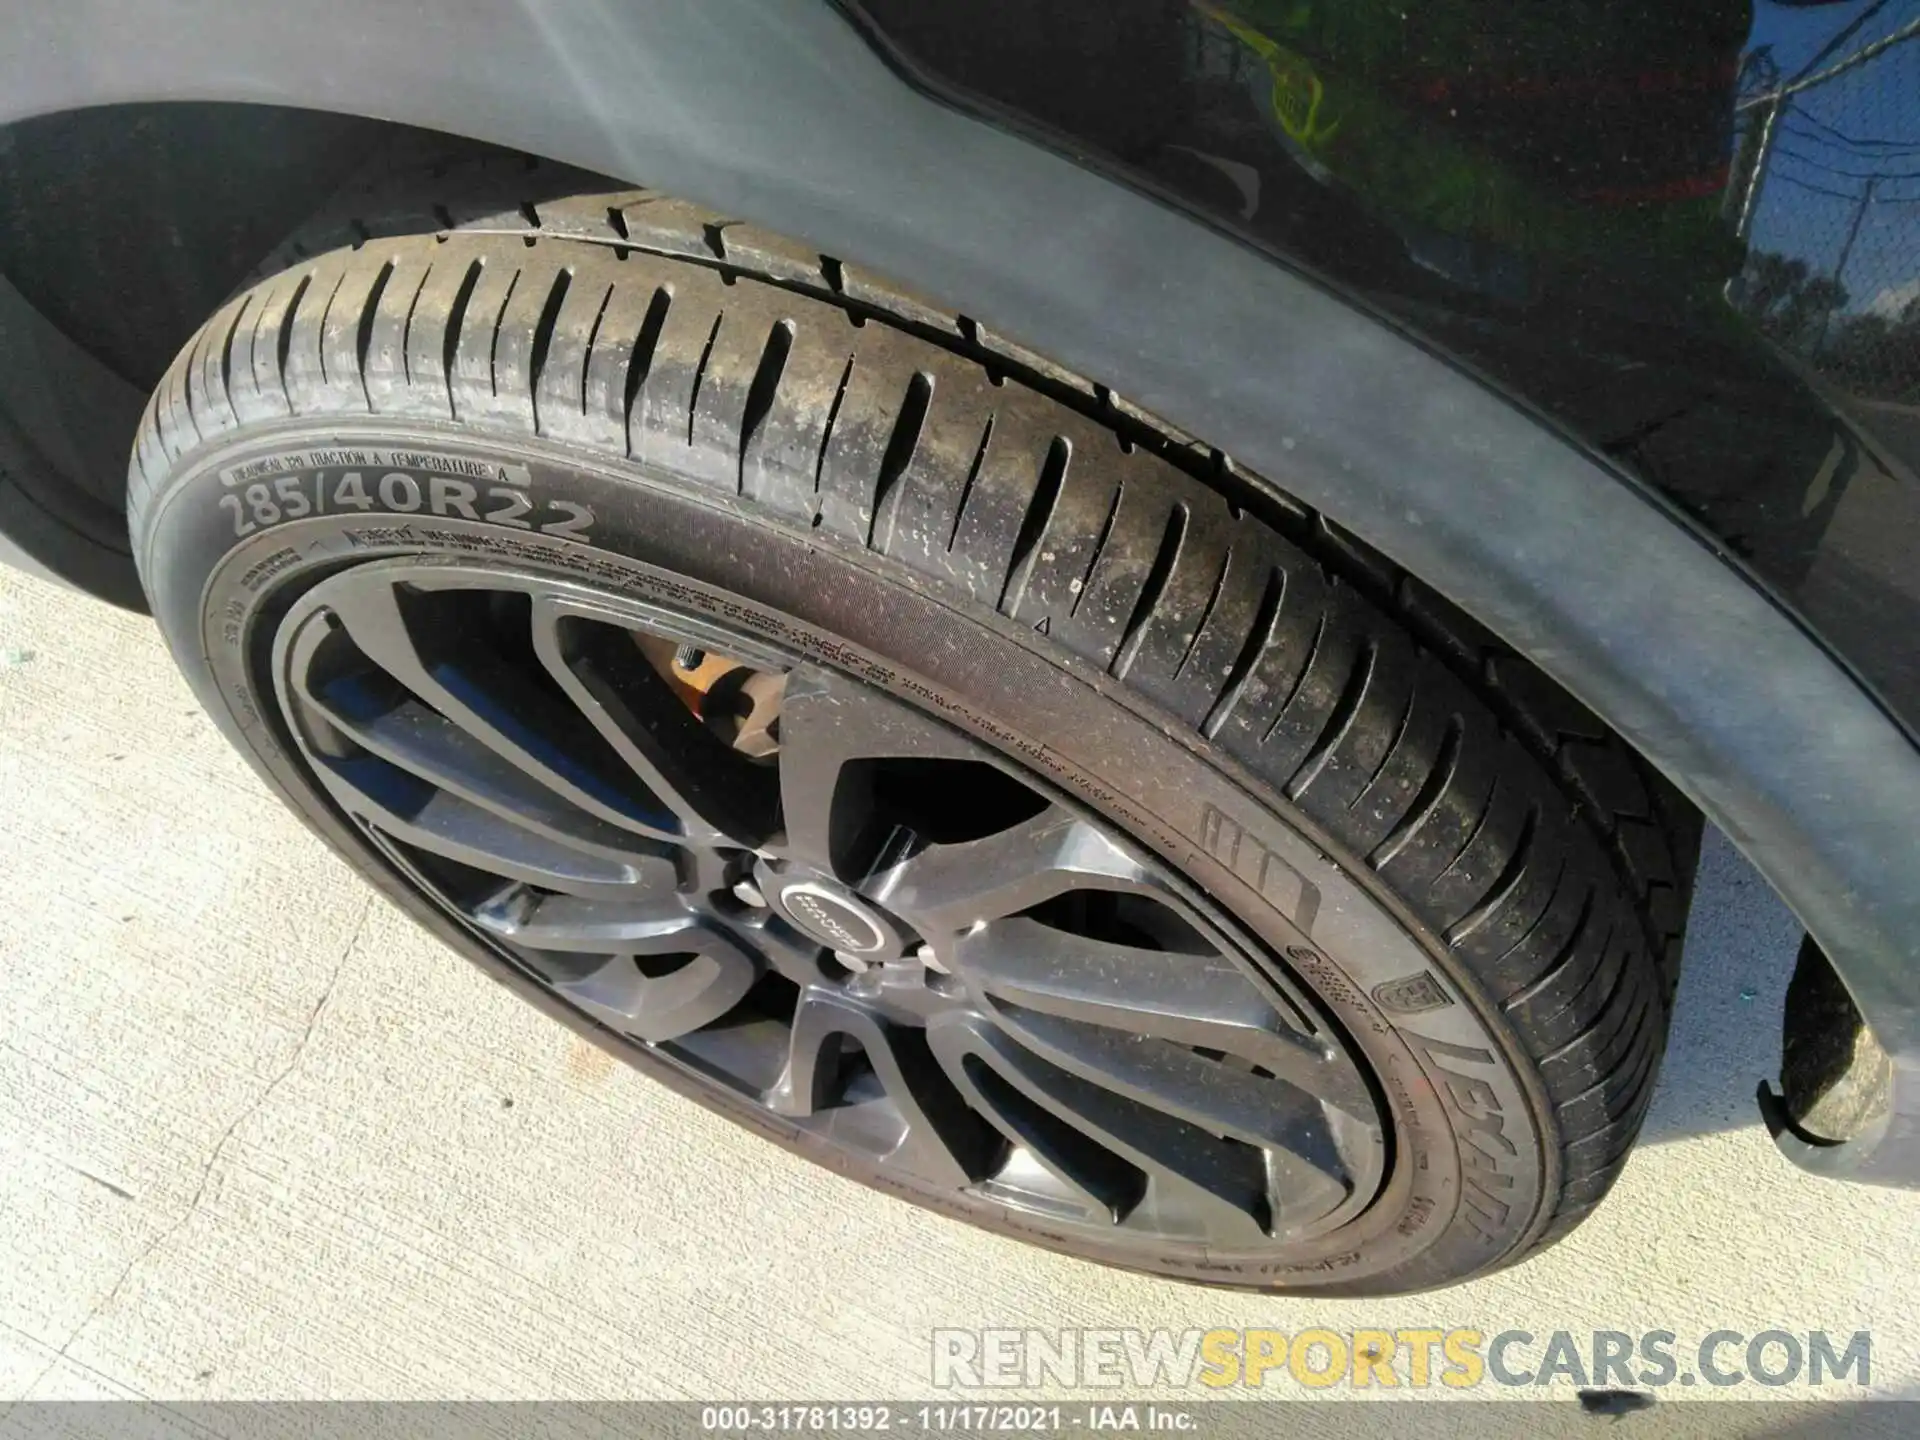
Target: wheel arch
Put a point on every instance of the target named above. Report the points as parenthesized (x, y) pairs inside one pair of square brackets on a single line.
[(777, 111)]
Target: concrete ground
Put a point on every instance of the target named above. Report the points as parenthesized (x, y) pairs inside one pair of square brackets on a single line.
[(259, 1137)]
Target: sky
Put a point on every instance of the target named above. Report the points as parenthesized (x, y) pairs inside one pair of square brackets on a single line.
[(1863, 123)]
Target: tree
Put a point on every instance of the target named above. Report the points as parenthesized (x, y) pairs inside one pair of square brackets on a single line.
[(1790, 306), (1878, 353)]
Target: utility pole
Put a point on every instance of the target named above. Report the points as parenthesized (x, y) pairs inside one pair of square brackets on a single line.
[(1762, 151), (1846, 254)]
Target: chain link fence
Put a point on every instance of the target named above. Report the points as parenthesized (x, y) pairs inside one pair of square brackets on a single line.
[(1824, 184), (1826, 192)]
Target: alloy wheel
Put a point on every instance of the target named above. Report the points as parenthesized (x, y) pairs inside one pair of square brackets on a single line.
[(794, 885)]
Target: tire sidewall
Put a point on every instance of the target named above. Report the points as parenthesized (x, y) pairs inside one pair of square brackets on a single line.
[(1471, 1171)]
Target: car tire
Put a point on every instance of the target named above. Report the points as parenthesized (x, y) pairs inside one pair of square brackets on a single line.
[(499, 377)]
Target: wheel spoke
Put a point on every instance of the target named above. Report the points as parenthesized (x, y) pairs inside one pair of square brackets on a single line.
[(406, 734), (619, 992), (786, 950), (717, 792), (442, 823), (412, 754), (1103, 1183), (511, 720), (1298, 1184), (828, 722), (948, 888), (1203, 1001), (1191, 1181), (657, 925), (943, 1141), (1218, 1099)]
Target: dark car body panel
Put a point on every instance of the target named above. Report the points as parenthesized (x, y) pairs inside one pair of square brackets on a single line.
[(1598, 205), (1583, 444)]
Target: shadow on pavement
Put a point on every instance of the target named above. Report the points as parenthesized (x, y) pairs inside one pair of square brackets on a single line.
[(1741, 945)]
